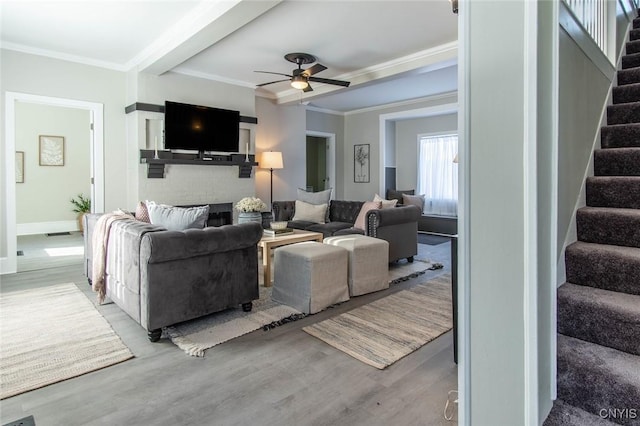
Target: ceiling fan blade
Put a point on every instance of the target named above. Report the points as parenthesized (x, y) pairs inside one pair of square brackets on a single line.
[(329, 81), (314, 69), (276, 73), (271, 82), (308, 88)]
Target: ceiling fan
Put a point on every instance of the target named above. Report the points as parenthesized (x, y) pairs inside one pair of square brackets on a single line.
[(300, 78)]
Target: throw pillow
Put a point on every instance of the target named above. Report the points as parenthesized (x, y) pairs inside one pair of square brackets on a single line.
[(317, 198), (310, 212), (397, 194), (362, 216), (415, 200), (386, 204), (142, 213), (177, 218)]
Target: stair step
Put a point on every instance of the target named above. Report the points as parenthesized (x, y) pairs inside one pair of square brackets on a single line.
[(634, 34), (636, 23), (603, 266), (604, 317), (623, 113), (596, 378), (563, 414), (605, 225), (628, 76), (632, 47), (620, 136), (614, 191), (617, 162), (632, 60), (627, 93)]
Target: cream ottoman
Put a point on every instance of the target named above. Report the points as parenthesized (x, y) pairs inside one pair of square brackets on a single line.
[(310, 276), (368, 262)]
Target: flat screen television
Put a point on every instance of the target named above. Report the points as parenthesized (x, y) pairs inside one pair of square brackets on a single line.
[(200, 128)]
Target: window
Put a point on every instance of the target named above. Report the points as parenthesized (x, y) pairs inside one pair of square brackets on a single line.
[(438, 174)]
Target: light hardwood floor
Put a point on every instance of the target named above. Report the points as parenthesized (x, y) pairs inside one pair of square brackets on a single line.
[(279, 377)]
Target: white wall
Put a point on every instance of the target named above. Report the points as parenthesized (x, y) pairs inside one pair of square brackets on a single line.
[(37, 75), (44, 196), (406, 142), (364, 128), (495, 262)]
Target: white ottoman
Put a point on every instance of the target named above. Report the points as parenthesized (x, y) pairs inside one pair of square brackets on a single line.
[(368, 262), (310, 276)]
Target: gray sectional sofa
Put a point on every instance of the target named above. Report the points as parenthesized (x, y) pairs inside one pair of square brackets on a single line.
[(398, 225), (161, 277)]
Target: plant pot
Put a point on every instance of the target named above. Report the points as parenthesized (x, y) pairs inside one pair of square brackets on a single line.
[(250, 217), (81, 222)]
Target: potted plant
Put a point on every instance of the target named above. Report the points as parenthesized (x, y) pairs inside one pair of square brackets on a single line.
[(249, 209), (81, 206)]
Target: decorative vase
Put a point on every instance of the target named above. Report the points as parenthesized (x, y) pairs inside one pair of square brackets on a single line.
[(249, 217)]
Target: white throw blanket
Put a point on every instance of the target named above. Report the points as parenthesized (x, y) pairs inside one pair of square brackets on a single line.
[(100, 241)]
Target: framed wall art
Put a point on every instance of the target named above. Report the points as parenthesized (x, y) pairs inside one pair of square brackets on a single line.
[(361, 167), (51, 150), (19, 166)]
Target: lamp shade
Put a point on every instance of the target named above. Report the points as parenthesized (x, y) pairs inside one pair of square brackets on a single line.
[(271, 160)]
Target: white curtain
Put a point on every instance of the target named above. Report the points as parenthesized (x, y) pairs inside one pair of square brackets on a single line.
[(438, 174)]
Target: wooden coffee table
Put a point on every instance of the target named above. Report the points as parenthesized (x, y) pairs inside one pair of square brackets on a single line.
[(268, 243)]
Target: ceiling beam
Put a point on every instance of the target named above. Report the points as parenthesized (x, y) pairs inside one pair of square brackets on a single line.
[(207, 24)]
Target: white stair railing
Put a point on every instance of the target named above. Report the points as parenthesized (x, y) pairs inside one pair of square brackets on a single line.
[(598, 19)]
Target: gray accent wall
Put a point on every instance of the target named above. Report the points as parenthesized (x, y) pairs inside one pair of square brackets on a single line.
[(331, 123)]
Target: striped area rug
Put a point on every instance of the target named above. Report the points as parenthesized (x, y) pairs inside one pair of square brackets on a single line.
[(52, 334), (382, 332)]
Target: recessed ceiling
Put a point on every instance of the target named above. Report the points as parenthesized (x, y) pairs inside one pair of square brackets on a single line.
[(408, 46)]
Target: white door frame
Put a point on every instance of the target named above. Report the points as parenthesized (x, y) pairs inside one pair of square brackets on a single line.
[(331, 155), (8, 263)]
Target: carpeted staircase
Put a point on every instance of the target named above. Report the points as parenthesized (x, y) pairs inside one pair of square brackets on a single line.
[(599, 305)]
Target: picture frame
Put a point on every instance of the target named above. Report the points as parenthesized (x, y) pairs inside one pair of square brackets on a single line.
[(19, 166), (51, 151), (361, 164)]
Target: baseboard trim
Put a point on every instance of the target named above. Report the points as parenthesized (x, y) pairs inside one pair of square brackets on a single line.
[(47, 227)]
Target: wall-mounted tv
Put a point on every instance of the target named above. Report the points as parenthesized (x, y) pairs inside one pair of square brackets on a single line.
[(200, 128)]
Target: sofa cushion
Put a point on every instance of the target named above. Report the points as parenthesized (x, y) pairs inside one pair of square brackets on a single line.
[(397, 194), (413, 200), (300, 224), (317, 198), (362, 216), (348, 231), (310, 212), (177, 218), (386, 204), (328, 229), (344, 211)]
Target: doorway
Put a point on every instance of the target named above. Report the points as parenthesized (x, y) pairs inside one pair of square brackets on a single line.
[(320, 161), (8, 250)]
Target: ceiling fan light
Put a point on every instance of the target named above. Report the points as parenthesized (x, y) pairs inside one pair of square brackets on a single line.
[(299, 82)]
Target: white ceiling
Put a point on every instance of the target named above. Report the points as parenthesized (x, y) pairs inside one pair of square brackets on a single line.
[(390, 50)]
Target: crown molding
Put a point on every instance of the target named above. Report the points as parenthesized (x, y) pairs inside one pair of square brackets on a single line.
[(63, 56)]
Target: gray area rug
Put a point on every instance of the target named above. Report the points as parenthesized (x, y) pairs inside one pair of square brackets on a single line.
[(51, 334), (196, 336), (382, 332)]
